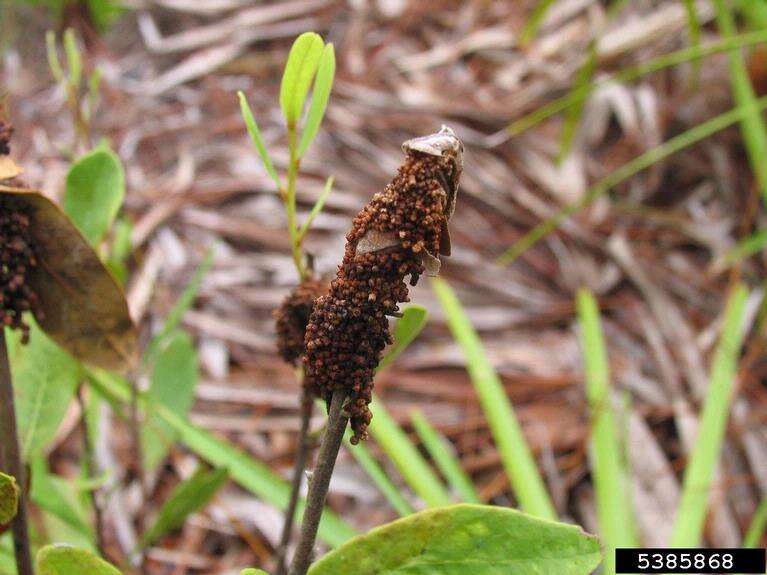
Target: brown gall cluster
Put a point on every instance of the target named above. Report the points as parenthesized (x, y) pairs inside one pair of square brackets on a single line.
[(17, 259), (349, 328), (293, 315)]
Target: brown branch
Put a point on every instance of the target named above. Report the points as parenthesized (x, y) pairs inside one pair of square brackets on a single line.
[(11, 463), (320, 481), (302, 454)]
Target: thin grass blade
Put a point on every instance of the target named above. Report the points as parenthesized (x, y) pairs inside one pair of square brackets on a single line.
[(698, 476), (515, 453), (258, 139)]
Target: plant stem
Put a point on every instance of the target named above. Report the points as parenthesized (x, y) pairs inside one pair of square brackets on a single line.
[(11, 463), (290, 203), (138, 451), (91, 470), (302, 453), (318, 485)]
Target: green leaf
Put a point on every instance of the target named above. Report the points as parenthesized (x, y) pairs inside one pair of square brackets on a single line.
[(60, 498), (614, 502), (174, 379), (103, 13), (94, 194), (243, 469), (45, 378), (696, 487), (9, 498), (440, 451), (316, 208), (53, 56), (258, 139), (252, 571), (408, 327), (189, 496), (74, 62), (515, 454), (756, 528), (298, 75), (323, 84), (66, 560), (463, 539)]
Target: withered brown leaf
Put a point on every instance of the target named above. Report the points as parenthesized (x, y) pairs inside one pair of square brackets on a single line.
[(84, 309)]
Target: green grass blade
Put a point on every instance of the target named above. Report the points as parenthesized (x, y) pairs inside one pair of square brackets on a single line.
[(754, 13), (614, 508), (628, 74), (746, 247), (317, 207), (413, 467), (758, 524), (378, 475), (517, 459), (182, 305), (693, 506), (74, 62), (751, 124), (693, 28), (623, 173), (249, 473), (186, 498), (534, 22), (323, 84), (583, 81), (52, 54), (448, 464), (258, 139)]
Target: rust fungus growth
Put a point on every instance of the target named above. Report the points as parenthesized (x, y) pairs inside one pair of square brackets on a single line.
[(293, 315), (397, 236)]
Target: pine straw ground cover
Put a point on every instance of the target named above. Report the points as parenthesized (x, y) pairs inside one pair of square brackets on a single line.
[(654, 249)]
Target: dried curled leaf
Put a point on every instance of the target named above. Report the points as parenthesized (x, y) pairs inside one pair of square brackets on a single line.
[(83, 308)]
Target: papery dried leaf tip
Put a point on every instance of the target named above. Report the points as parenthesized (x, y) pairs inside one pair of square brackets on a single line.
[(401, 232), (293, 315)]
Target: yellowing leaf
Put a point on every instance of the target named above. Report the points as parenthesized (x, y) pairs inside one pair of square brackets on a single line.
[(84, 309)]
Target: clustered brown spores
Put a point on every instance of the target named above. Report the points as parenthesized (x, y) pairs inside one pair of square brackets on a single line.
[(292, 317), (348, 328), (17, 258)]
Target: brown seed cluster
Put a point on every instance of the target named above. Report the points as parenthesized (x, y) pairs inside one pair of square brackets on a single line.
[(292, 317), (348, 328), (17, 258)]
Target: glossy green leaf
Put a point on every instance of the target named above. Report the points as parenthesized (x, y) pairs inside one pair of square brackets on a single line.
[(174, 378), (323, 84), (517, 459), (9, 498), (258, 139), (188, 497), (66, 560), (463, 539), (299, 72), (95, 192), (45, 378)]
